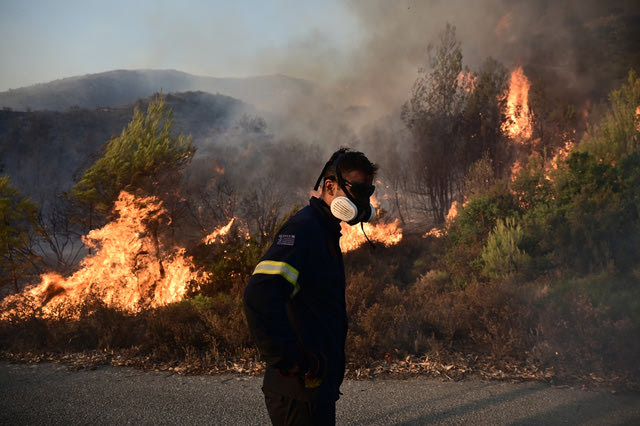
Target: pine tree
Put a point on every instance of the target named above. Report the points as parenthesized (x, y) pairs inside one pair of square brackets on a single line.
[(135, 161)]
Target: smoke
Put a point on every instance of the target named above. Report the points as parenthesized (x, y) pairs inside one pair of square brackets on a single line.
[(571, 43), (580, 50)]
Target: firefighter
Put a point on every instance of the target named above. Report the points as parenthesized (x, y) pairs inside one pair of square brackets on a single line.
[(295, 300)]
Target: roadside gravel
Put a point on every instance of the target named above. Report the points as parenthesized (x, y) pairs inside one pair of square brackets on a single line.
[(54, 394)]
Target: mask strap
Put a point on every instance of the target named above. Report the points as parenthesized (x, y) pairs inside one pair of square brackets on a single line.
[(324, 169), (373, 246)]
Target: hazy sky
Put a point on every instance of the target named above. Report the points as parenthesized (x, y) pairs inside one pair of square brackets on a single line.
[(366, 51), (43, 40)]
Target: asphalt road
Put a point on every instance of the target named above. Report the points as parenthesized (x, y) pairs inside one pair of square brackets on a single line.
[(44, 394)]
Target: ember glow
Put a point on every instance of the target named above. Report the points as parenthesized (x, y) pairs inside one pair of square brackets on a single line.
[(561, 155), (467, 81), (131, 268), (387, 234), (518, 125)]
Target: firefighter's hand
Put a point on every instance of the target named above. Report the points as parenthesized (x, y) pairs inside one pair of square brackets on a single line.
[(317, 371), (314, 368)]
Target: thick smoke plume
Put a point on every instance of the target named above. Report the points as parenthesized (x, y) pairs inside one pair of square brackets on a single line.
[(574, 50), (584, 47)]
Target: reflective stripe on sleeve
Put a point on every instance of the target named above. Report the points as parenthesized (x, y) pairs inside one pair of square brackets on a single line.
[(271, 267)]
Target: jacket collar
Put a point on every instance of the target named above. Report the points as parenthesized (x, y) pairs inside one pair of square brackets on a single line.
[(328, 220)]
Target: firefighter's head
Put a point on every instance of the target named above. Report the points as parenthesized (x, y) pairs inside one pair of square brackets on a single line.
[(347, 186)]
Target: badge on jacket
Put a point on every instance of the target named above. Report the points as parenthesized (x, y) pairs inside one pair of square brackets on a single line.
[(285, 240)]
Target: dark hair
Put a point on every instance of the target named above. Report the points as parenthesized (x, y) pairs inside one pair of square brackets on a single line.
[(348, 160)]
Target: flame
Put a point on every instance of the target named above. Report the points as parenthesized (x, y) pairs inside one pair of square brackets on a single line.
[(218, 233), (518, 124), (561, 155), (386, 233), (131, 268), (438, 232), (516, 167), (638, 118)]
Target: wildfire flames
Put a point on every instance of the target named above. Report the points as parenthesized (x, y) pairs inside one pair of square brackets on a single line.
[(218, 233), (518, 124), (130, 269), (386, 233), (439, 232)]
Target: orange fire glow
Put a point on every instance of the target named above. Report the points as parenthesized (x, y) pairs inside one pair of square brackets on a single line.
[(561, 155), (518, 125), (638, 118), (352, 238), (387, 234), (438, 232), (130, 268), (218, 233)]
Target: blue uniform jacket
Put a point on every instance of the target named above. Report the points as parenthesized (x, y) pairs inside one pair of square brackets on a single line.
[(296, 298)]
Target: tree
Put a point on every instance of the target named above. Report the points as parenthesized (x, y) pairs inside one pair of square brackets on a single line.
[(263, 208), (502, 255), (433, 117), (145, 157), (60, 237), (18, 217), (484, 115), (618, 134)]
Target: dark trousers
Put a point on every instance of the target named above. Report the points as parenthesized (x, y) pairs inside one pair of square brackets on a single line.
[(288, 411)]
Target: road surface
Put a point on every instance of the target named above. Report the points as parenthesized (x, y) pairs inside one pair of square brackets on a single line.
[(53, 394)]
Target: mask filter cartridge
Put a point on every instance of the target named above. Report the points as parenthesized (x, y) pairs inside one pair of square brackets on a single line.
[(345, 210)]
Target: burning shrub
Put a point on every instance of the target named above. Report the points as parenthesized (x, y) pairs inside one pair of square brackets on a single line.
[(228, 256), (132, 268)]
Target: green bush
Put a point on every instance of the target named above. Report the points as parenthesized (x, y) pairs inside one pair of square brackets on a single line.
[(502, 256)]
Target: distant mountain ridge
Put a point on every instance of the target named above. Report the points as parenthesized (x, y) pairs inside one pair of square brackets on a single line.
[(120, 87)]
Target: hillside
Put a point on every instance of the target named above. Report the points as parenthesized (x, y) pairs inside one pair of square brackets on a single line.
[(43, 150), (121, 87)]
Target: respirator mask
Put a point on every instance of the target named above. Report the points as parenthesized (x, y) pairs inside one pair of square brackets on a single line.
[(355, 206)]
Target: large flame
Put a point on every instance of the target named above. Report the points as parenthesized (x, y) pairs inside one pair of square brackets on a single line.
[(518, 124), (130, 269), (387, 234)]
